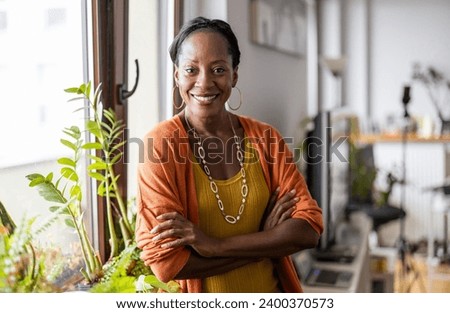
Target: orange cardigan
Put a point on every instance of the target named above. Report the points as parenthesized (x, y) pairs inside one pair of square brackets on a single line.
[(166, 184)]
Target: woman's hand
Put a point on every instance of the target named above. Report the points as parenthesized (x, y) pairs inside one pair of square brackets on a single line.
[(182, 232), (279, 210)]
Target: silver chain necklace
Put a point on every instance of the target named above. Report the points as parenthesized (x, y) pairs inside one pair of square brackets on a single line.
[(212, 184)]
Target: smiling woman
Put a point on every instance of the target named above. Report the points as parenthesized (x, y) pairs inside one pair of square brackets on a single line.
[(191, 225)]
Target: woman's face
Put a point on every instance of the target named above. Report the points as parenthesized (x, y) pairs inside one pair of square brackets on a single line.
[(205, 75)]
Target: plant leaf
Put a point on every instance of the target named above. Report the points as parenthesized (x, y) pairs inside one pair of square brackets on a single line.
[(88, 89), (116, 158), (101, 190), (76, 99), (92, 127), (64, 209), (82, 89), (95, 158), (97, 166), (117, 146), (47, 190), (71, 90), (92, 145), (35, 179), (6, 220), (69, 144), (79, 109), (49, 177), (73, 132), (97, 96), (153, 281), (69, 222), (69, 173), (67, 161), (97, 176), (75, 192)]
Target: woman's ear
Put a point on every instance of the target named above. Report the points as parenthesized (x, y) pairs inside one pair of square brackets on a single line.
[(175, 75), (235, 76)]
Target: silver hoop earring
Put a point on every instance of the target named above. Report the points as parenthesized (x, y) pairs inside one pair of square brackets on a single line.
[(240, 101), (173, 99)]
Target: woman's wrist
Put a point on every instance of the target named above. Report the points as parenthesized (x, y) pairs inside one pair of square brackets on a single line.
[(210, 248)]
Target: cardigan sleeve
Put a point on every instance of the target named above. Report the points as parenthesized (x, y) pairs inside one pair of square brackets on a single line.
[(289, 177), (160, 190), (280, 169)]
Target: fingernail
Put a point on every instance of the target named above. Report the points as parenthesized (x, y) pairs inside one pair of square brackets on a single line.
[(278, 189), (153, 231), (296, 199), (156, 238), (293, 191)]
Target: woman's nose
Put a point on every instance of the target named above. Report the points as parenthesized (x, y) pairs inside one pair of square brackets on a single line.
[(204, 79)]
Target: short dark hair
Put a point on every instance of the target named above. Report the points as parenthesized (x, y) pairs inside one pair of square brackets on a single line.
[(204, 24)]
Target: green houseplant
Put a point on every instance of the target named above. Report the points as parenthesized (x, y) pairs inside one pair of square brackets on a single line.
[(362, 178), (25, 266), (123, 269)]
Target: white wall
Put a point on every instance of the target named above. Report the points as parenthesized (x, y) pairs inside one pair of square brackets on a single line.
[(207, 8), (397, 33), (404, 32), (330, 47), (356, 45), (273, 84), (143, 106)]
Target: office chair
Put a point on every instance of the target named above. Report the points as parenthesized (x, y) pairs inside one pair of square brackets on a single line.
[(380, 212)]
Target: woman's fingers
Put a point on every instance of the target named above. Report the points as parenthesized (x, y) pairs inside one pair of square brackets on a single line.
[(165, 225), (171, 232), (170, 216), (177, 231), (174, 226), (286, 215), (282, 210), (284, 203), (273, 199), (174, 243)]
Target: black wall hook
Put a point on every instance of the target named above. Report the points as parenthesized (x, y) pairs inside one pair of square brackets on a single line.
[(125, 94)]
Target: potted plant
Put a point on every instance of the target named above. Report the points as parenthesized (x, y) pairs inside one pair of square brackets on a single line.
[(437, 87), (124, 269)]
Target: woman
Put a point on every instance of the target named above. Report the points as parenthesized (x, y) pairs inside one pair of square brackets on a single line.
[(221, 204)]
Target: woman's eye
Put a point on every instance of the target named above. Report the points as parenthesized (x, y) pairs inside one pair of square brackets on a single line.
[(219, 70), (189, 70)]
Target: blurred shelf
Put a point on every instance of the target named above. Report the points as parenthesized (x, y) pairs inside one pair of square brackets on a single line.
[(394, 138)]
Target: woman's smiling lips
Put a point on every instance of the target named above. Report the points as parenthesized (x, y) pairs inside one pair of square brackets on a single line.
[(204, 98)]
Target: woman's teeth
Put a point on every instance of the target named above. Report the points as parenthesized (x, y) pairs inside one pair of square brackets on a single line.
[(204, 98)]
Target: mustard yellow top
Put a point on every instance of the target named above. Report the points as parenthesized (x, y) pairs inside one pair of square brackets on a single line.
[(255, 277)]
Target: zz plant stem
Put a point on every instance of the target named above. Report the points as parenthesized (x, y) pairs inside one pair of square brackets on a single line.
[(107, 131)]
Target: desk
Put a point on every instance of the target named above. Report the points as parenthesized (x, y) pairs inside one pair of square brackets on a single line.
[(360, 267)]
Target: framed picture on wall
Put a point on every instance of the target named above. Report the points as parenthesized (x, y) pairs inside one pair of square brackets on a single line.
[(279, 25)]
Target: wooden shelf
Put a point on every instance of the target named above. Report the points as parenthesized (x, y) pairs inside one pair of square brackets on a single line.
[(374, 138)]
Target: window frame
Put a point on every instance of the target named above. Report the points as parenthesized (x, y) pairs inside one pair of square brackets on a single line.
[(110, 30), (110, 67)]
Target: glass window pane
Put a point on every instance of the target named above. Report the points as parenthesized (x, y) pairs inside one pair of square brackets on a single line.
[(41, 54)]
